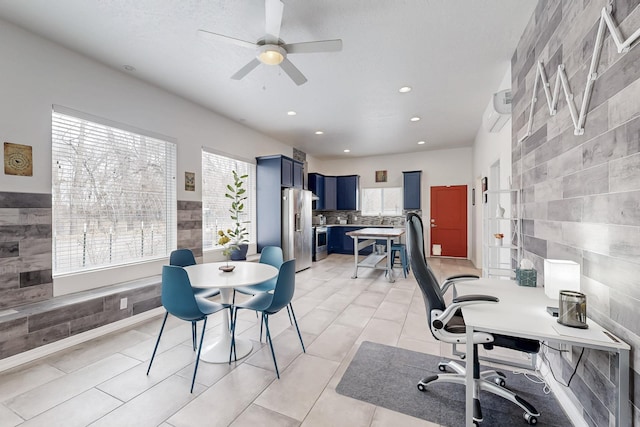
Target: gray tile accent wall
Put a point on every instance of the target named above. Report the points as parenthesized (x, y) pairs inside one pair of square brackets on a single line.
[(582, 193), (190, 226), (25, 248), (29, 315)]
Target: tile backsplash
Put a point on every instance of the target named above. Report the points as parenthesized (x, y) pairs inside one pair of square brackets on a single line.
[(355, 217)]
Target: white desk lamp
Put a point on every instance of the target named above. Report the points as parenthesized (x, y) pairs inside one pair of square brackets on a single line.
[(560, 275)]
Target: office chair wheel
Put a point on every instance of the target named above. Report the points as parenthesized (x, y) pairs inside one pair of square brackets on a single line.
[(442, 367), (421, 387), (500, 382), (531, 419)]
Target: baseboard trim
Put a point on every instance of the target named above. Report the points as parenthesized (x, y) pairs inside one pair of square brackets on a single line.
[(45, 350), (560, 392)]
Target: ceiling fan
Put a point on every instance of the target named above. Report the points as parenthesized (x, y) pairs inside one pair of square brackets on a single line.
[(271, 50)]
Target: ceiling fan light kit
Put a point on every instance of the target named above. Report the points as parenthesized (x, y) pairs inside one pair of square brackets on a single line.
[(270, 49), (271, 54)]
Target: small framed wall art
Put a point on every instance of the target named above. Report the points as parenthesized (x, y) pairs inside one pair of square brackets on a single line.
[(381, 176), (18, 159), (189, 181)]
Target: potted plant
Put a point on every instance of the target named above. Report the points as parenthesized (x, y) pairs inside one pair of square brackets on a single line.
[(238, 235), (224, 240)]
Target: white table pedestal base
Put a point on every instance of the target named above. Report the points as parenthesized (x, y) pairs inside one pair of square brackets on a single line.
[(218, 352)]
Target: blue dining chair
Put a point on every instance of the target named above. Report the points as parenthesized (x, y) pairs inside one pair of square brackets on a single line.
[(268, 303), (185, 258), (273, 256), (178, 299)]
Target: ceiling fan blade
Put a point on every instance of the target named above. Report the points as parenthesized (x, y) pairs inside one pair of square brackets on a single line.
[(209, 36), (291, 70), (313, 47), (273, 20), (246, 69)]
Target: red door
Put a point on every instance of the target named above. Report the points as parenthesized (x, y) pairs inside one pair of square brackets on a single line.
[(449, 220)]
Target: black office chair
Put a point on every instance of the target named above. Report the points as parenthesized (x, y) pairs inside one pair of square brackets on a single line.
[(447, 324)]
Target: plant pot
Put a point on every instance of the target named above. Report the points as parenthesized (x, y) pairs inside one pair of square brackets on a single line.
[(240, 254)]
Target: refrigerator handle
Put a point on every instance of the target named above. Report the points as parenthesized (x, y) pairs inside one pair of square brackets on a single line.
[(297, 223)]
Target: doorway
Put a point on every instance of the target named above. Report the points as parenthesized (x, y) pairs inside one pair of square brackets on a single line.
[(449, 221)]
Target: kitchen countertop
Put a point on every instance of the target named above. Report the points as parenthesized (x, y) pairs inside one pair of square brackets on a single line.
[(362, 225)]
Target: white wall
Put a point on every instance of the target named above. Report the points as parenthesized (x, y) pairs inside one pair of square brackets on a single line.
[(37, 74), (439, 167), (487, 149)]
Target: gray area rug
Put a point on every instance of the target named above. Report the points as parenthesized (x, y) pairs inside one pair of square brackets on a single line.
[(387, 376)]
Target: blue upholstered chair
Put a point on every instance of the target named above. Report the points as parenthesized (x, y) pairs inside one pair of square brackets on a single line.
[(273, 256), (184, 258), (268, 303), (178, 299)]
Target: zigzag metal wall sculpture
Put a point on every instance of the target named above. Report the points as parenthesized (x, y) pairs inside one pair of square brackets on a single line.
[(606, 21)]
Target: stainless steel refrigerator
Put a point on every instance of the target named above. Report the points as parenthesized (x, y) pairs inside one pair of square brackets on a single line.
[(297, 239)]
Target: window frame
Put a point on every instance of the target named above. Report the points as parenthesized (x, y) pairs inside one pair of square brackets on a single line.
[(209, 239), (381, 212), (116, 133)]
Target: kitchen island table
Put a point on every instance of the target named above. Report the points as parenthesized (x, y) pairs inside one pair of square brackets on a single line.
[(369, 237)]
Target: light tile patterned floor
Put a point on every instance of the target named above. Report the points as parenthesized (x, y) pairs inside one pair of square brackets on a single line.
[(103, 382)]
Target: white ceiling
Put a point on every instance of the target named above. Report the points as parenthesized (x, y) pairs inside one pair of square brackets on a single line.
[(453, 53)]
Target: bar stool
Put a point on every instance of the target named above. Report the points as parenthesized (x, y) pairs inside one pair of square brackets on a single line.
[(401, 249)]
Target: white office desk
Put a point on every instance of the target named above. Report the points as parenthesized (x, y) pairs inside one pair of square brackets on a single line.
[(522, 312)]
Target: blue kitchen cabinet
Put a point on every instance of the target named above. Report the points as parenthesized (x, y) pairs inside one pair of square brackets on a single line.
[(316, 185), (411, 189), (347, 192), (298, 174), (272, 174), (330, 193)]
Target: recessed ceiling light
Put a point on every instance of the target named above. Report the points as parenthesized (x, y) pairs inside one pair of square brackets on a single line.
[(404, 89), (319, 132), (129, 67), (291, 113), (421, 142), (347, 150), (414, 118)]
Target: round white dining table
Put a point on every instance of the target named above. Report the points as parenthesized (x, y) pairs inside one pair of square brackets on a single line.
[(209, 275)]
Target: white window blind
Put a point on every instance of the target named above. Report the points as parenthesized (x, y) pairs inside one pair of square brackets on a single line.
[(382, 201), (114, 194), (216, 175)]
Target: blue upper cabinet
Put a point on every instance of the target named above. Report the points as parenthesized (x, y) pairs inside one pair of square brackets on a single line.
[(335, 192), (298, 174), (286, 172), (412, 189), (316, 185), (330, 193), (290, 171), (347, 189)]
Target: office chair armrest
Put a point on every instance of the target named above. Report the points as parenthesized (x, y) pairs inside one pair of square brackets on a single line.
[(461, 302), (481, 298), (452, 280)]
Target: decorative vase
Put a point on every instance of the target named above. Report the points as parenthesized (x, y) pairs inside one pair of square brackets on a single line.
[(499, 211), (240, 254), (227, 268)]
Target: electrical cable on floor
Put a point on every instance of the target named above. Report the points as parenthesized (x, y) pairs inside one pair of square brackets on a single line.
[(575, 369), (534, 379)]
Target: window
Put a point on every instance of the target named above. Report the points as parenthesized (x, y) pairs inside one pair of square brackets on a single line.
[(382, 201), (216, 174), (113, 193)]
